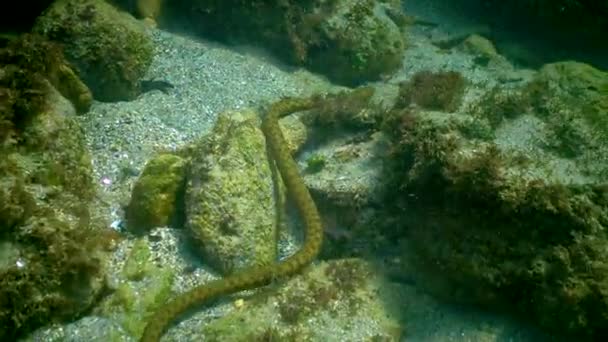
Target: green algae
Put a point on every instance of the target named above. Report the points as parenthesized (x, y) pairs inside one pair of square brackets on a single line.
[(137, 266), (128, 304), (156, 195)]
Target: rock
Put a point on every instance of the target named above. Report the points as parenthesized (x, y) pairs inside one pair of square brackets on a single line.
[(140, 285), (54, 244), (479, 45), (572, 98), (512, 222), (109, 48), (351, 176), (46, 60), (230, 207), (157, 196), (486, 55), (90, 328), (580, 80), (362, 42)]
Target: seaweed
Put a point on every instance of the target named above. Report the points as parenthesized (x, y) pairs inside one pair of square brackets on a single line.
[(487, 230), (441, 91)]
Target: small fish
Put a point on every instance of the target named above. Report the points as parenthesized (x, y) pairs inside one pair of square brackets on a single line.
[(149, 85)]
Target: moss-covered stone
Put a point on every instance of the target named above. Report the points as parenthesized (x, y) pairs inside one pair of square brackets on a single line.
[(504, 225), (110, 49), (229, 198), (45, 60), (157, 196), (571, 99), (362, 42), (577, 86), (352, 109), (54, 270), (569, 102), (481, 47), (71, 87), (440, 91), (137, 265)]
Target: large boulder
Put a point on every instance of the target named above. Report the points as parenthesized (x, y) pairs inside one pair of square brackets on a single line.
[(109, 48)]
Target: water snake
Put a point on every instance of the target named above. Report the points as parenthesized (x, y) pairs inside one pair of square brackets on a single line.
[(257, 276)]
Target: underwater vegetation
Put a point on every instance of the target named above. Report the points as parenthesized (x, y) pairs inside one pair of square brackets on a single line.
[(129, 305), (51, 245), (488, 224), (495, 226), (344, 109), (433, 90), (227, 160), (485, 222)]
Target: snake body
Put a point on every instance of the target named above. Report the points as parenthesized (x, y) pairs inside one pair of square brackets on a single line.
[(262, 275)]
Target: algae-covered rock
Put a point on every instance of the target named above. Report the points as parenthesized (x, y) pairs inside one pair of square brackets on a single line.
[(157, 196), (361, 42), (54, 245), (572, 99), (109, 48), (562, 108), (579, 86), (230, 208), (349, 41), (577, 78), (507, 222), (485, 53), (481, 46), (334, 299), (441, 91), (71, 87), (46, 61)]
